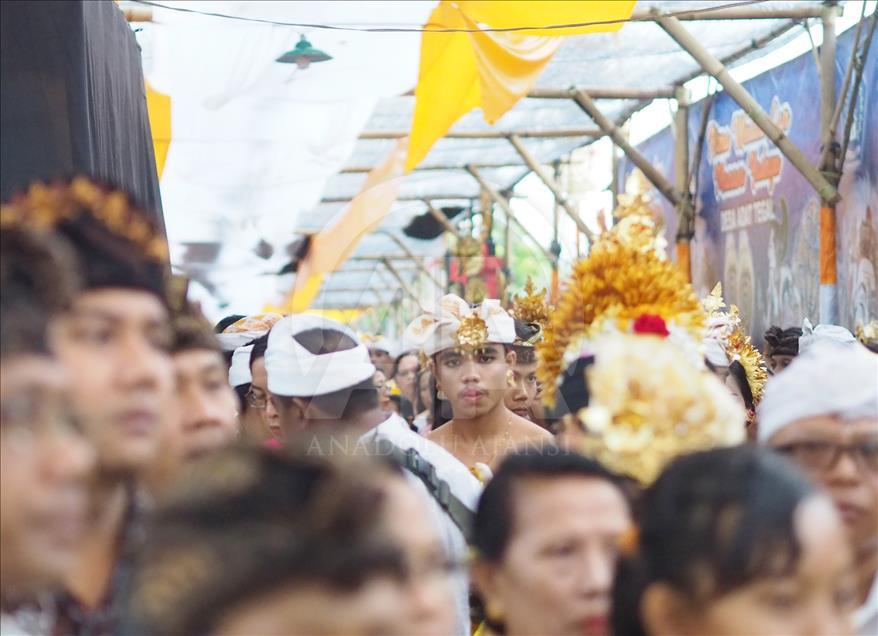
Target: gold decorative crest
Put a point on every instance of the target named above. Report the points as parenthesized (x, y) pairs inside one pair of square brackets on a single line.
[(737, 344), (648, 404), (472, 332), (45, 205), (608, 290), (531, 306)]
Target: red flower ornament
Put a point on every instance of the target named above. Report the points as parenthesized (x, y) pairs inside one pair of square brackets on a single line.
[(650, 323)]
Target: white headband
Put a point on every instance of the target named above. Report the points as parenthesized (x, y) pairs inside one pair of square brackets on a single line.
[(234, 340), (834, 333), (239, 372), (827, 379), (436, 329), (293, 371), (380, 343)]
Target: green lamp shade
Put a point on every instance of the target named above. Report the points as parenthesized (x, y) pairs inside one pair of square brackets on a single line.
[(303, 55)]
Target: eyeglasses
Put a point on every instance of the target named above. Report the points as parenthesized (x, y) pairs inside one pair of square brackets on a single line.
[(256, 400), (820, 457)]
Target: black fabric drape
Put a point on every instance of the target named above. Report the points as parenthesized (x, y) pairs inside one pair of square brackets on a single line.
[(73, 100)]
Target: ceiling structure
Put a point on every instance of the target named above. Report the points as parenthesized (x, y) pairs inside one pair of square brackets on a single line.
[(639, 62)]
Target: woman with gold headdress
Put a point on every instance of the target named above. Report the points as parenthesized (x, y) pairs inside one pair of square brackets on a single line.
[(468, 353), (620, 360), (731, 354)]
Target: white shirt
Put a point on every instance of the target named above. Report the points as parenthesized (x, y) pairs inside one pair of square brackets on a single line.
[(866, 617), (461, 483)]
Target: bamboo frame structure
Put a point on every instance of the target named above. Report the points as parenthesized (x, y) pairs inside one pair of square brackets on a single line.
[(412, 256), (490, 134), (507, 209), (737, 92), (560, 196), (444, 221)]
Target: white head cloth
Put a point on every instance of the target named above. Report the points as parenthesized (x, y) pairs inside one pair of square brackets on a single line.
[(827, 379), (232, 341), (833, 333), (380, 343), (239, 372), (436, 328), (294, 371)]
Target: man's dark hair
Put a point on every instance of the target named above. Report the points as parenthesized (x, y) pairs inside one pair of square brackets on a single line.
[(494, 521), (193, 331), (247, 522), (258, 350), (406, 410), (713, 522), (37, 280), (782, 342)]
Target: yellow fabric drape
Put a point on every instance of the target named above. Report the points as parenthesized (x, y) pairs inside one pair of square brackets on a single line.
[(462, 71), (158, 106), (332, 246)]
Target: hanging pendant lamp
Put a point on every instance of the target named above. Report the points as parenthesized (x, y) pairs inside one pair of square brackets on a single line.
[(303, 55)]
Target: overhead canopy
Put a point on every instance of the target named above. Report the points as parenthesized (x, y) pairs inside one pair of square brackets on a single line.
[(640, 58)]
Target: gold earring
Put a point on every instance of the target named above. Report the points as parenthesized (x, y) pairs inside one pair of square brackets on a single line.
[(494, 614), (440, 394), (510, 378)]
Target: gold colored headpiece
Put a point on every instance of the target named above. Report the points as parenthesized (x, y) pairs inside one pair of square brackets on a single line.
[(623, 282), (648, 404), (737, 343), (472, 332), (531, 306), (867, 334), (44, 206)]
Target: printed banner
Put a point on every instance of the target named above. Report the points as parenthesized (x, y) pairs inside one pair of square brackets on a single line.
[(758, 220)]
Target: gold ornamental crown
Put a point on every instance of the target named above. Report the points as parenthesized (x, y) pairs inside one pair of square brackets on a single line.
[(624, 278), (531, 306), (45, 205)]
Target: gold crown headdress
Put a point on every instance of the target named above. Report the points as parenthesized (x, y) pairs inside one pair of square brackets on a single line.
[(45, 205), (648, 404), (867, 334), (531, 308), (622, 285), (736, 342)]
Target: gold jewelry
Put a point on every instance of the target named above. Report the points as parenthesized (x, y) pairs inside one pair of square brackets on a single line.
[(440, 394), (510, 378), (472, 332)]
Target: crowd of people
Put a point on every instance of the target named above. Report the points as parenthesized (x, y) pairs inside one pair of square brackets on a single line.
[(624, 462)]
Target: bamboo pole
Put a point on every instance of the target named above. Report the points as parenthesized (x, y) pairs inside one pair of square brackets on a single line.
[(507, 209), (828, 228), (414, 258), (560, 196), (403, 283), (737, 92), (650, 172), (490, 134), (681, 165), (604, 92), (761, 12), (443, 220), (434, 167), (437, 197)]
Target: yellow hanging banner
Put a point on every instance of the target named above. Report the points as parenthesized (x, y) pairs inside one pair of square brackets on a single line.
[(492, 70), (158, 106)]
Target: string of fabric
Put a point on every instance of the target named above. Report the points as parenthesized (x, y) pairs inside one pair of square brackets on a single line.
[(334, 27)]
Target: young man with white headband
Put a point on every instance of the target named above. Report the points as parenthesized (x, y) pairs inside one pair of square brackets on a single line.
[(822, 413), (320, 380), (470, 355)]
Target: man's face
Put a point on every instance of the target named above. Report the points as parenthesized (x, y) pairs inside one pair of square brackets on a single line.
[(430, 602), (475, 382), (521, 397), (382, 361), (114, 343), (207, 404), (778, 362), (45, 465), (557, 571), (849, 477), (259, 395)]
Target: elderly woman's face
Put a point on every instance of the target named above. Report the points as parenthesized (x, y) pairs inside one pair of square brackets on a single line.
[(557, 571)]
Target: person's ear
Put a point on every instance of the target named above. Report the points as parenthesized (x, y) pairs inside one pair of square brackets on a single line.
[(511, 357), (431, 367), (484, 577), (664, 612), (301, 406)]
